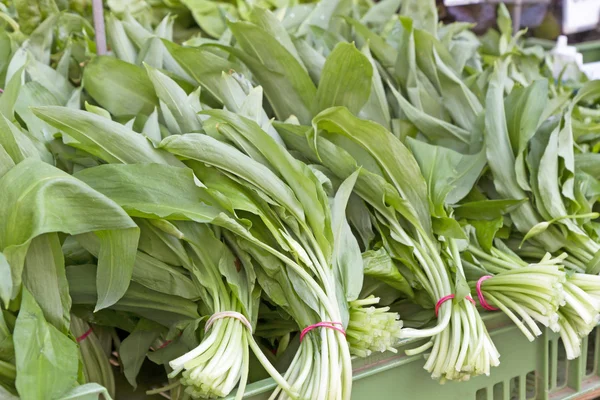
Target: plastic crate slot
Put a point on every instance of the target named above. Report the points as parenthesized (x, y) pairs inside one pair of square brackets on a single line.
[(552, 364), (530, 385), (481, 394), (515, 389), (562, 365), (592, 355), (499, 391)]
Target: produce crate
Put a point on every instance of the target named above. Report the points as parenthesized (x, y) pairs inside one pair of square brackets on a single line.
[(590, 50), (535, 370)]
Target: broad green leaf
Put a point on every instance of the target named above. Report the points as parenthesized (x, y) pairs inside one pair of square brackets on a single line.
[(423, 13), (156, 306), (32, 13), (119, 87), (11, 93), (204, 67), (286, 83), (6, 283), (461, 103), (378, 264), (105, 139), (589, 163), (210, 15), (371, 187), (346, 252), (499, 152), (149, 271), (35, 196), (345, 80), (376, 108), (437, 131), (89, 391), (450, 175), (133, 349), (44, 277), (485, 231), (119, 41), (297, 175), (384, 52), (16, 143), (486, 209), (393, 157), (46, 360), (34, 94), (58, 85), (205, 149), (151, 190), (269, 22), (173, 96), (381, 12)]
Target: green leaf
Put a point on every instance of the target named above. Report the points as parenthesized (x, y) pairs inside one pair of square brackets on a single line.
[(486, 209), (393, 157), (423, 13), (119, 41), (11, 93), (6, 283), (345, 79), (108, 140), (176, 100), (32, 13), (296, 174), (204, 67), (44, 277), (89, 391), (210, 151), (210, 15), (162, 308), (151, 190), (450, 175), (133, 349), (346, 252), (47, 361), (35, 196), (376, 109), (436, 130), (378, 264), (286, 83), (119, 87)]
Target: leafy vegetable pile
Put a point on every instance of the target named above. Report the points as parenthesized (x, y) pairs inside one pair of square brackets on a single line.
[(264, 193)]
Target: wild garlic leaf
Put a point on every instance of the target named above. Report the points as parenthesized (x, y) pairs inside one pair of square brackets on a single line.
[(47, 360), (345, 80), (119, 87), (32, 184)]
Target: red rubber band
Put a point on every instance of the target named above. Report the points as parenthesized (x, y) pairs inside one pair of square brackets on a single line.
[(324, 324), (165, 344), (82, 337), (446, 298), (482, 300)]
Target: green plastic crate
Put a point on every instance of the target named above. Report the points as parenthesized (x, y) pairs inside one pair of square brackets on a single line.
[(535, 370)]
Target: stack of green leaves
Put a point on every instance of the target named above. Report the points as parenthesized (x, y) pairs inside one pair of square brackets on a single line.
[(185, 225)]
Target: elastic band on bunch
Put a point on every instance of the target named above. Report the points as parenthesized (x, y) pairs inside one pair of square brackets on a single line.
[(324, 324), (86, 334), (228, 314), (446, 298), (482, 300)]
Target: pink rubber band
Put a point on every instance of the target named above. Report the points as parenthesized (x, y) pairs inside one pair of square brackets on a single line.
[(445, 299), (482, 300), (82, 337), (324, 324)]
